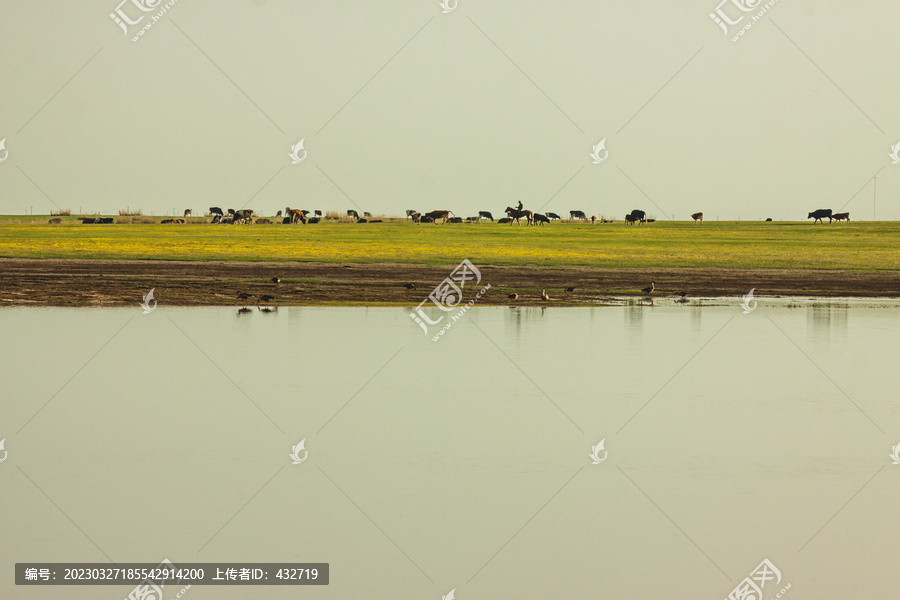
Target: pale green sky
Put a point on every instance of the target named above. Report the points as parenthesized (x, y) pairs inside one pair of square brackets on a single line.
[(403, 106)]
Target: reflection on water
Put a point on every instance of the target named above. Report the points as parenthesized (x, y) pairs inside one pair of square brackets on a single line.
[(462, 463), (825, 319)]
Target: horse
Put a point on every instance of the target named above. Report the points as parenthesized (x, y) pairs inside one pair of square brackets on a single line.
[(515, 214)]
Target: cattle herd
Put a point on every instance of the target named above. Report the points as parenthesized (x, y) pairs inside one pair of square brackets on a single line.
[(515, 215)]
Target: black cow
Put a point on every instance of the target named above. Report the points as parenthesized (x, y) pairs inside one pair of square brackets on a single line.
[(104, 220), (820, 214), (287, 221), (353, 213), (313, 220), (551, 215), (629, 219), (539, 218), (483, 214), (638, 215), (577, 214), (215, 210), (456, 219), (245, 215), (231, 211)]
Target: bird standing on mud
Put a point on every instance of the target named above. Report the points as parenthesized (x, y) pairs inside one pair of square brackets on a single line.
[(513, 296), (544, 296), (649, 290)]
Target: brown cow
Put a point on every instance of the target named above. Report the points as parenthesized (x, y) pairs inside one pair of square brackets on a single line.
[(295, 215), (438, 214), (697, 217), (841, 217), (55, 221)]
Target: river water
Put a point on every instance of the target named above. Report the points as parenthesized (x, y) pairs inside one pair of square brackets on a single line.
[(465, 463)]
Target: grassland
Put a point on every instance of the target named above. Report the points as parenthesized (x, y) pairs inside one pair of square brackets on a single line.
[(862, 246)]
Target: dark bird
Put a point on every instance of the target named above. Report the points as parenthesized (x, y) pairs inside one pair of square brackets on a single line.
[(682, 294), (244, 310), (571, 288), (513, 296), (544, 296), (649, 290), (265, 299), (244, 296), (409, 286), (276, 280)]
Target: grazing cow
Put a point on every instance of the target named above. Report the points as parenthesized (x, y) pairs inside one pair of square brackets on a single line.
[(245, 215), (263, 222), (629, 219), (230, 211), (697, 217), (638, 215), (215, 210), (216, 218), (295, 215), (287, 221), (551, 215), (409, 213), (104, 220), (416, 217), (515, 214), (188, 212), (353, 213), (318, 213), (504, 220), (483, 214), (539, 218), (278, 215), (313, 220), (769, 220), (841, 217), (820, 214), (367, 215), (456, 220), (577, 214), (438, 214), (362, 220), (87, 220), (55, 221)]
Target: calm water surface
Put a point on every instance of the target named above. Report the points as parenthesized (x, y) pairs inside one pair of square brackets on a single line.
[(462, 463)]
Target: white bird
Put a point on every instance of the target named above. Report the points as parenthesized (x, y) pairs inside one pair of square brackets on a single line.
[(544, 296)]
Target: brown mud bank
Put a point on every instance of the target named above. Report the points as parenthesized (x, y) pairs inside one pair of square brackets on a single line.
[(73, 282)]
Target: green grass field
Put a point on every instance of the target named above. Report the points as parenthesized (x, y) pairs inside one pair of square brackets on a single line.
[(864, 246)]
